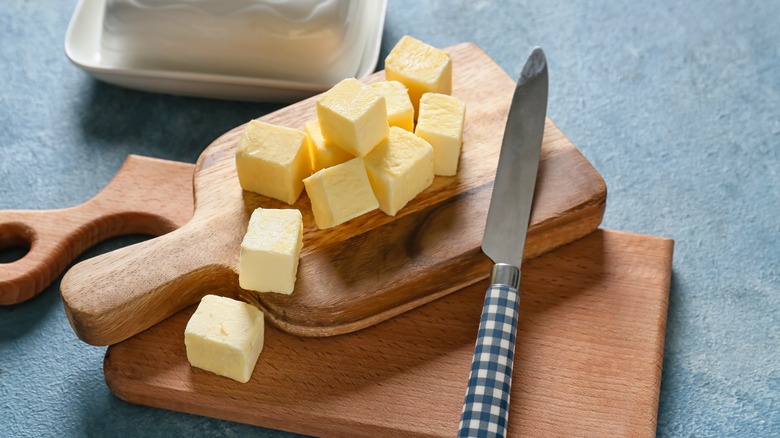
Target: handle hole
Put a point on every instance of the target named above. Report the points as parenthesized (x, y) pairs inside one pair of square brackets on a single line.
[(15, 242)]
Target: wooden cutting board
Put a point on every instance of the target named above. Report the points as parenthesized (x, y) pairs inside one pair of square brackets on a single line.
[(588, 362), (361, 272), (138, 200)]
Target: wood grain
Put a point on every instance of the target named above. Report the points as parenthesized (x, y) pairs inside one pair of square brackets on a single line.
[(135, 201), (362, 272), (590, 350)]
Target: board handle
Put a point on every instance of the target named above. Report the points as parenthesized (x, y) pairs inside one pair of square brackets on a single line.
[(146, 196), (116, 295)]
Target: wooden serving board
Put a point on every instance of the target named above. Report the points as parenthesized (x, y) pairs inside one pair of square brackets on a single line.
[(588, 362), (361, 272)]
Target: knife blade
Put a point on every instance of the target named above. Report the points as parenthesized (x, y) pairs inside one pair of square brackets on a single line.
[(486, 404)]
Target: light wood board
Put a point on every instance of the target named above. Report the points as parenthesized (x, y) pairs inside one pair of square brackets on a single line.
[(588, 362), (136, 201), (359, 273)]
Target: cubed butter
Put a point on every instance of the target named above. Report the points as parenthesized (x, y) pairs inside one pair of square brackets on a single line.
[(352, 116), (270, 250), (440, 123), (419, 66), (322, 152), (399, 169), (400, 111), (225, 336), (273, 161), (340, 193)]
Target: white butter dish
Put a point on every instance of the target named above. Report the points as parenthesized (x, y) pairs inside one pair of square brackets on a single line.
[(256, 50)]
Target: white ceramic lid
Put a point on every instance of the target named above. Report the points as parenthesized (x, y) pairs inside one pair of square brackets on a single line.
[(302, 48)]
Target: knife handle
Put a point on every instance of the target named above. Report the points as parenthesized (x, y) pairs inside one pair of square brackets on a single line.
[(486, 405)]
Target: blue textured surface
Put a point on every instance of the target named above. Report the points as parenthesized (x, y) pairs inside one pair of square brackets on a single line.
[(677, 104)]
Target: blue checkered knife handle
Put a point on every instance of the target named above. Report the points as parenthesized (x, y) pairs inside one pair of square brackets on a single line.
[(486, 405)]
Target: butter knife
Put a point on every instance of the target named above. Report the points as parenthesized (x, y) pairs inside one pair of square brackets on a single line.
[(486, 405)]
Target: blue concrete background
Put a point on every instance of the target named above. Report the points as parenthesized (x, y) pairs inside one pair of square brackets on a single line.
[(677, 104)]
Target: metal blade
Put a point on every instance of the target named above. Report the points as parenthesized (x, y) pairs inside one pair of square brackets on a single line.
[(513, 190)]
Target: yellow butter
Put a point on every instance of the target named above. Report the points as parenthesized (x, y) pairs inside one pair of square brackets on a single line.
[(272, 161), (340, 193), (225, 336), (352, 116), (323, 153), (419, 66), (270, 251), (440, 123), (399, 169), (400, 111)]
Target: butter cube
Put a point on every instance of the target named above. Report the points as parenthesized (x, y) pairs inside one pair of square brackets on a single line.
[(400, 111), (273, 161), (422, 68), (225, 336), (440, 123), (399, 169), (340, 193), (323, 153), (270, 250), (352, 116)]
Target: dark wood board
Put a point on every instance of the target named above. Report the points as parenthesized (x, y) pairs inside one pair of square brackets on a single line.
[(362, 272)]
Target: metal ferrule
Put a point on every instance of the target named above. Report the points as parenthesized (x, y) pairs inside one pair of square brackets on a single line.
[(505, 274)]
